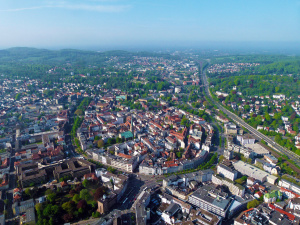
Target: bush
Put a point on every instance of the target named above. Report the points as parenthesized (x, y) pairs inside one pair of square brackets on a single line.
[(96, 214)]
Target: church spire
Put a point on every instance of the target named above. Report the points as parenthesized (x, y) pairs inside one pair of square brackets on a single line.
[(131, 126)]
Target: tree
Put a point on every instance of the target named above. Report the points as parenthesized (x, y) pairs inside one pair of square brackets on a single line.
[(48, 192), (99, 192), (93, 204), (179, 155), (111, 169), (112, 152), (81, 210), (100, 143), (18, 97), (28, 191), (51, 197), (184, 121), (118, 140), (69, 206), (244, 178), (78, 188), (96, 214), (76, 198), (85, 183), (293, 116), (72, 192), (240, 181), (296, 128), (78, 112), (252, 204), (38, 207), (84, 194), (55, 209), (34, 192), (68, 217), (268, 117), (247, 108), (278, 138), (50, 210), (221, 158), (111, 141), (82, 204)]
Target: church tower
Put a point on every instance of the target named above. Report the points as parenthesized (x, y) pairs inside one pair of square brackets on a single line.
[(131, 126)]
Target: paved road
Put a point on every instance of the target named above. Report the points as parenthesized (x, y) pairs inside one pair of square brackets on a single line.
[(12, 184), (131, 193), (291, 155)]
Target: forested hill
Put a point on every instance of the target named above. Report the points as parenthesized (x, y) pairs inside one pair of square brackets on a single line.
[(262, 59), (268, 65), (290, 67), (52, 57)]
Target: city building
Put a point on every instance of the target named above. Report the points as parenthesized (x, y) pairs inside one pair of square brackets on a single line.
[(251, 171), (227, 171), (211, 200)]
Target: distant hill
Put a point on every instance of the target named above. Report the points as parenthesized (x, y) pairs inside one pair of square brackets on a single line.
[(44, 56), (54, 57)]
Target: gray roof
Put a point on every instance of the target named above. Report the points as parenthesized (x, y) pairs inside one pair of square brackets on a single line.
[(204, 195), (227, 168), (172, 209)]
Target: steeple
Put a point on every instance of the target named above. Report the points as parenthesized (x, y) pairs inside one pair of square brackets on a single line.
[(131, 126)]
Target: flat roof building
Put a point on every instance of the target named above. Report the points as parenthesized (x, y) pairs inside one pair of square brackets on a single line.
[(210, 199), (252, 171)]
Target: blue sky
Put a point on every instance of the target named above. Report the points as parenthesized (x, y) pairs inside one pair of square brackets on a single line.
[(87, 23)]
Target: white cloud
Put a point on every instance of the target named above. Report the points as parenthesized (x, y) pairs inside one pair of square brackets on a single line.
[(85, 7), (97, 8), (23, 9)]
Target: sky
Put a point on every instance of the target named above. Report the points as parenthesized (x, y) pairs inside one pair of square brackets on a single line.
[(120, 23)]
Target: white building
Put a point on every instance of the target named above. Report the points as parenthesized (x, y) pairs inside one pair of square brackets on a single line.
[(245, 139), (227, 172), (294, 204), (251, 171), (289, 185), (167, 215)]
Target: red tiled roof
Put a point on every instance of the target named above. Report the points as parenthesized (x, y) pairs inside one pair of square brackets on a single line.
[(125, 156), (172, 165), (63, 184), (289, 215)]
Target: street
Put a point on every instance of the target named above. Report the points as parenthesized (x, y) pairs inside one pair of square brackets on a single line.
[(133, 189), (291, 155), (12, 185)]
